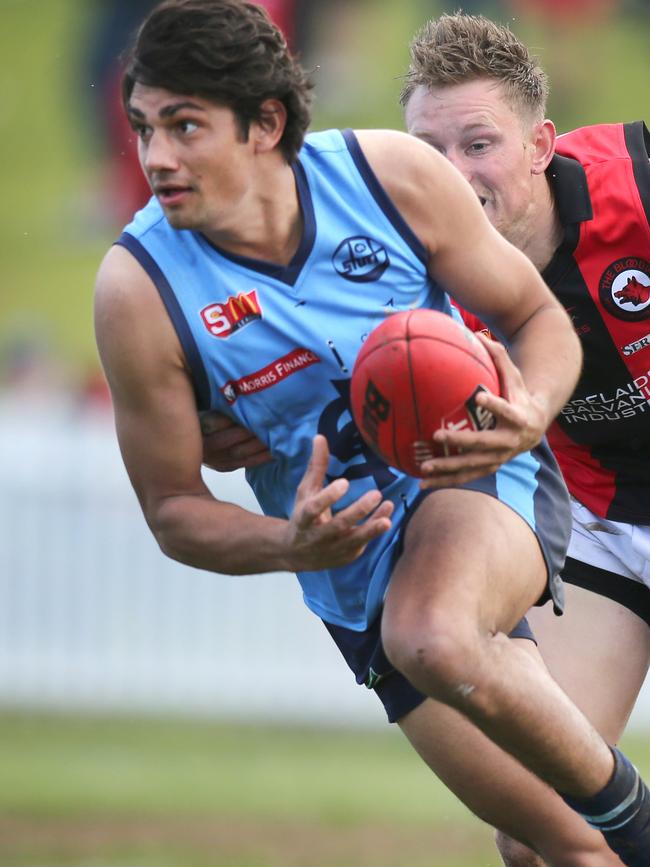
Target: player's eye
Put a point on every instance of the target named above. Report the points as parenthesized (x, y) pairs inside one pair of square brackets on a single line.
[(143, 132), (187, 127), (478, 147)]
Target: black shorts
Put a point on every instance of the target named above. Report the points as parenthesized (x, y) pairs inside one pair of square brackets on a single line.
[(625, 591), (364, 653)]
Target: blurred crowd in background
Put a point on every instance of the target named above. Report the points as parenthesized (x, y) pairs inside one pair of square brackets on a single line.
[(72, 179)]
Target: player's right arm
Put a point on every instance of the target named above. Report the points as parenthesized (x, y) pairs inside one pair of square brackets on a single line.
[(160, 439)]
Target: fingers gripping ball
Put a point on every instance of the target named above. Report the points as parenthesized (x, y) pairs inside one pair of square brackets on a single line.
[(417, 372)]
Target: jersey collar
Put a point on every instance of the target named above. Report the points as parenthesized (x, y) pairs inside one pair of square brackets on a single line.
[(569, 185)]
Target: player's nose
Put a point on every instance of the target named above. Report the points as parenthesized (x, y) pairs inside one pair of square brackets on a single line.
[(159, 155)]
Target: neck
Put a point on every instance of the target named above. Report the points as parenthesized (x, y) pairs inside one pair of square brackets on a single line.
[(267, 223)]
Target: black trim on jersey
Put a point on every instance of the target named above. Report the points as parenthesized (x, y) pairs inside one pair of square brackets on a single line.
[(183, 330), (631, 594), (568, 182), (637, 141), (382, 198), (287, 274)]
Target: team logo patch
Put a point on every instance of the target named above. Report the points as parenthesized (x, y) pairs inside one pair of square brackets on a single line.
[(360, 259), (625, 289), (272, 374), (225, 317)]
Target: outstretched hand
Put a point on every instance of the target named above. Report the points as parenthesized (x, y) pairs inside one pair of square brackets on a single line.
[(227, 446), (470, 454), (318, 538)]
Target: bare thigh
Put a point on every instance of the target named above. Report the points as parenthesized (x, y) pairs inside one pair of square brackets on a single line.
[(599, 652), (468, 554)]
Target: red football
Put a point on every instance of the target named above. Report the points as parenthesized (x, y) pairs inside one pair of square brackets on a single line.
[(417, 372)]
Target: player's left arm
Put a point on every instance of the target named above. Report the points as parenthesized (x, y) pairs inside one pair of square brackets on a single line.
[(492, 279), (229, 446)]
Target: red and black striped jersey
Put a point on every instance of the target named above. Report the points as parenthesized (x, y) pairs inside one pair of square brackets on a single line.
[(600, 178)]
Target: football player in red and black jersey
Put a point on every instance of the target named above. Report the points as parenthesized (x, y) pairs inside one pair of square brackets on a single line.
[(579, 206)]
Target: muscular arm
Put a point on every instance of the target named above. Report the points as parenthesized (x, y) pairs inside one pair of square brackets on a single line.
[(159, 434), (485, 274), (160, 439), (482, 271)]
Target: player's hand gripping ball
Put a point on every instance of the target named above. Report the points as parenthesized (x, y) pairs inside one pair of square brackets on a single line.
[(417, 372)]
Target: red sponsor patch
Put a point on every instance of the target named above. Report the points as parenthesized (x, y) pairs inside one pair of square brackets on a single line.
[(225, 317), (272, 374)]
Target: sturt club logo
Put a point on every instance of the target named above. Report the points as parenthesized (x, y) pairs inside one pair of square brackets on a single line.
[(625, 289), (360, 259), (225, 317)]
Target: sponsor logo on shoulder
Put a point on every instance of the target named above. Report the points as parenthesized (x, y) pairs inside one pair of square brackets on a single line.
[(225, 317), (360, 259), (624, 289), (273, 373)]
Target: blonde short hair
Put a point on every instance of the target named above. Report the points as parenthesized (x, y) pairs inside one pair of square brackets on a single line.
[(453, 49)]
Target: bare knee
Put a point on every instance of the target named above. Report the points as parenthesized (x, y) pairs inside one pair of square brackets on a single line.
[(436, 656), (515, 854)]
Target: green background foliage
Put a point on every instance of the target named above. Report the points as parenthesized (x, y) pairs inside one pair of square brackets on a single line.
[(54, 227)]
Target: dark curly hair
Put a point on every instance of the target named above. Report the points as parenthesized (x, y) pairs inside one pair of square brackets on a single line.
[(456, 48), (225, 51)]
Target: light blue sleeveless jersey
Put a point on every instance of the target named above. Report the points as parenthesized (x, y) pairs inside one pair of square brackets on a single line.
[(274, 346)]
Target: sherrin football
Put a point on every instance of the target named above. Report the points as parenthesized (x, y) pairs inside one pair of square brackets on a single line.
[(417, 372)]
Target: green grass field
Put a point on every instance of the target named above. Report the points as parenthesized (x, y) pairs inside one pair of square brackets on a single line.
[(101, 792)]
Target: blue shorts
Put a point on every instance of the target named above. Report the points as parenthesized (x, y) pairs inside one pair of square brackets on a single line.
[(364, 653)]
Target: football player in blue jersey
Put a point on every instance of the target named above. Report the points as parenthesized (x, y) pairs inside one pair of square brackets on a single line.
[(196, 310)]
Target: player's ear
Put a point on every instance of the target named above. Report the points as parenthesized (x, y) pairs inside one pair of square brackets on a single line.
[(544, 144), (267, 131)]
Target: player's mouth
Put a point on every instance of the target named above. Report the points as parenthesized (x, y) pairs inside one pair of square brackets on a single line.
[(170, 195)]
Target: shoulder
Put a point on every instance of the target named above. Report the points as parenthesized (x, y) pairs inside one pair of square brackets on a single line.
[(409, 170), (424, 186), (399, 157), (122, 287), (130, 318), (601, 143)]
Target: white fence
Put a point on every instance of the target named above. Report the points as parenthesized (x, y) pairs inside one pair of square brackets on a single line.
[(93, 616)]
